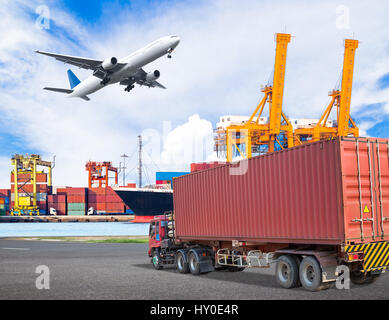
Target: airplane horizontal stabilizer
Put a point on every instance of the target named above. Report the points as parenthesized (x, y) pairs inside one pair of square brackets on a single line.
[(68, 91), (85, 98)]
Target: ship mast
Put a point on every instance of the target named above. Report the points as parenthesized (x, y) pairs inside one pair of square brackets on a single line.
[(124, 156), (140, 161)]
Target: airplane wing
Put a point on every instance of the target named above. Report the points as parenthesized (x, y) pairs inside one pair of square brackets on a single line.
[(85, 63), (140, 78)]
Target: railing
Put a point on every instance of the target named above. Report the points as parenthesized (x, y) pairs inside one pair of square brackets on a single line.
[(253, 258)]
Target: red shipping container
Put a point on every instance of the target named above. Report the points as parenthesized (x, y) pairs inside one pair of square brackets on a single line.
[(40, 177), (62, 191), (114, 206), (51, 198), (61, 198), (76, 191), (55, 198), (41, 188), (113, 198), (97, 191), (59, 207), (316, 194), (100, 206), (194, 167), (5, 192), (72, 198)]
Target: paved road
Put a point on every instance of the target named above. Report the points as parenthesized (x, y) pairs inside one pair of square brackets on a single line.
[(123, 271)]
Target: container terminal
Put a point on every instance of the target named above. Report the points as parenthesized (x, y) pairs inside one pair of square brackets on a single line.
[(310, 199), (309, 195)]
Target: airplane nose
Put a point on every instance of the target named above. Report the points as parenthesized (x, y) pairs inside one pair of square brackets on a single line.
[(176, 40)]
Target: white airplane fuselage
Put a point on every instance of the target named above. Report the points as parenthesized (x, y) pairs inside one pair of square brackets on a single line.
[(133, 62)]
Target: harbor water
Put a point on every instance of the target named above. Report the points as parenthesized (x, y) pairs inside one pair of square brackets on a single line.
[(73, 229)]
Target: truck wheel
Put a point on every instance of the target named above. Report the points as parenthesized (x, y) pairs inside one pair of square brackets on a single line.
[(298, 261), (194, 264), (310, 274), (156, 260), (182, 264), (361, 278), (287, 273)]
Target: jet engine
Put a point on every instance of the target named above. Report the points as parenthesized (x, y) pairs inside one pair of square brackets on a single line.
[(152, 76), (109, 63)]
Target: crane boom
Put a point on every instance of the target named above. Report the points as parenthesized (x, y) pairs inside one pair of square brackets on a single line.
[(340, 100), (282, 41), (347, 83), (263, 136)]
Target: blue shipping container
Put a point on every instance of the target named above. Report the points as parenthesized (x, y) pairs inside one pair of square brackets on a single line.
[(165, 175)]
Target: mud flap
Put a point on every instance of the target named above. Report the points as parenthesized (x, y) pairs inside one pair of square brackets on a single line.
[(206, 266)]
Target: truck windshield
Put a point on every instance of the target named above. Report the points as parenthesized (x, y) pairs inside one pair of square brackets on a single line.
[(152, 229)]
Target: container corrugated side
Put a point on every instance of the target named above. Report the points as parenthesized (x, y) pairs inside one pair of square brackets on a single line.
[(307, 194), (294, 195)]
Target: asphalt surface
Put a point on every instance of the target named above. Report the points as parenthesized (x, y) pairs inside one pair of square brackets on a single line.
[(123, 271)]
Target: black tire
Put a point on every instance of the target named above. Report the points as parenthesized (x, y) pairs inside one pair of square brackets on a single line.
[(311, 274), (156, 260), (194, 263), (181, 263), (361, 278), (287, 273), (298, 261)]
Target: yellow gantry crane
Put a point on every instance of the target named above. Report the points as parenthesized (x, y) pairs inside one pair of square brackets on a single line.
[(27, 166), (341, 99), (252, 133)]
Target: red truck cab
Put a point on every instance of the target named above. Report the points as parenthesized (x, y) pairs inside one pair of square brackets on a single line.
[(157, 232)]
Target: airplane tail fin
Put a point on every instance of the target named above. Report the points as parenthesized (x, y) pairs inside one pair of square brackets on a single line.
[(73, 80)]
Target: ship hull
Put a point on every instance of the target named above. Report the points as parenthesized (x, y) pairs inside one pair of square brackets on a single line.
[(146, 203)]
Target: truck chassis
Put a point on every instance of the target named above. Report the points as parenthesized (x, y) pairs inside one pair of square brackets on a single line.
[(315, 267)]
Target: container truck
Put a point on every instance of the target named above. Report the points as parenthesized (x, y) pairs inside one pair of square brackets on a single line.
[(308, 209)]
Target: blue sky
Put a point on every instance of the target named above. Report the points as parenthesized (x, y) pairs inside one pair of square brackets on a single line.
[(226, 53)]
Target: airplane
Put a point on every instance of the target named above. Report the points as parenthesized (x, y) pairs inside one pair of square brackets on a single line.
[(127, 71)]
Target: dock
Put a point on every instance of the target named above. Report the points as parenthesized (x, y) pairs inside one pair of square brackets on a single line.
[(97, 218)]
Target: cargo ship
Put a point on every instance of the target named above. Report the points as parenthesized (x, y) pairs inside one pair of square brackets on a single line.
[(155, 200), (148, 202)]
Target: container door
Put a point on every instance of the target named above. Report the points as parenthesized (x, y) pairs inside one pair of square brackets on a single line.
[(381, 168), (366, 179)]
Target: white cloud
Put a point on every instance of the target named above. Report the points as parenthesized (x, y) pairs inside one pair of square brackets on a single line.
[(226, 53), (187, 143)]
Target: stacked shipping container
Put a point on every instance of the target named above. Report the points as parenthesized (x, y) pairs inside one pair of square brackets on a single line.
[(57, 202), (96, 199), (76, 200), (26, 189), (105, 200), (67, 200), (4, 201)]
